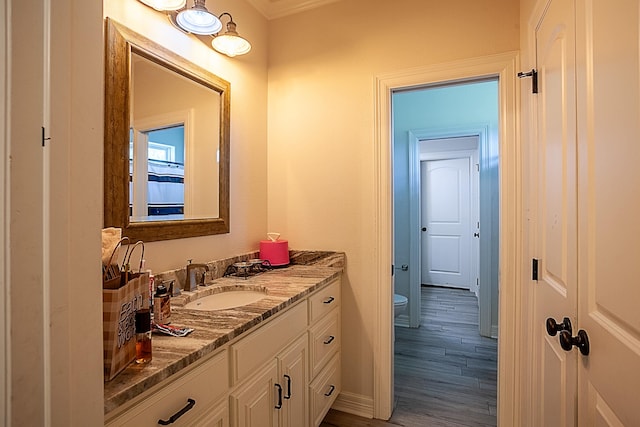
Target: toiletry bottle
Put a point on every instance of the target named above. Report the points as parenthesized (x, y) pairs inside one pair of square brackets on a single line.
[(162, 306), (143, 335), (151, 287)]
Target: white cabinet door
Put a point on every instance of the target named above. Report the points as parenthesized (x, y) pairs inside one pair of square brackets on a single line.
[(254, 403), (609, 206), (293, 375), (216, 416), (556, 235)]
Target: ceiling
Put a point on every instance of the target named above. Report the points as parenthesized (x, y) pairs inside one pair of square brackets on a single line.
[(273, 9)]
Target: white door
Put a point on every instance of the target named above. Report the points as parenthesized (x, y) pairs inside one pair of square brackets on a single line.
[(445, 209), (609, 205), (556, 238), (588, 229)]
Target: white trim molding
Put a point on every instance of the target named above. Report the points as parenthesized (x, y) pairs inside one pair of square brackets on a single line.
[(503, 66), (5, 313), (481, 131), (355, 404), (272, 9)]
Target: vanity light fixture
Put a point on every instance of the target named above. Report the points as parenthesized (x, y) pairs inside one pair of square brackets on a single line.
[(198, 20), (163, 5), (230, 43)]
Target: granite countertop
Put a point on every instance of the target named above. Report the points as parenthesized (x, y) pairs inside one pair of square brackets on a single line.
[(307, 272)]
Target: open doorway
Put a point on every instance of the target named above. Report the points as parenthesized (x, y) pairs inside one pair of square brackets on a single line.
[(445, 141), (502, 66), (445, 122)]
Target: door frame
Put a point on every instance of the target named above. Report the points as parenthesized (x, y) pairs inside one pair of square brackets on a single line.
[(5, 330), (503, 66), (486, 253), (415, 196)]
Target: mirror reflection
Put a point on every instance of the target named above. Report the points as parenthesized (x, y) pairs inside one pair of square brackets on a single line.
[(174, 147)]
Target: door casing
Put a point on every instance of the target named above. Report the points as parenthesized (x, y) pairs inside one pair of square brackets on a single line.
[(488, 256), (504, 67)]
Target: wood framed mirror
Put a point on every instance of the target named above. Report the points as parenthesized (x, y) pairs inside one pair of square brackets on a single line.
[(166, 147)]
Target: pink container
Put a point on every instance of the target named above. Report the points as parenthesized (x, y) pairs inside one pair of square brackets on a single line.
[(277, 253)]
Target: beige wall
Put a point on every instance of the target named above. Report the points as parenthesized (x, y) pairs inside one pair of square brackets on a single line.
[(247, 75), (322, 65)]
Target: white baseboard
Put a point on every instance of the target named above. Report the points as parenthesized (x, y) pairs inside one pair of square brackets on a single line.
[(402, 320), (354, 404)]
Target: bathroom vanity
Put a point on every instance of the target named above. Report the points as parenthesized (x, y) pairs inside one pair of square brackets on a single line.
[(274, 362)]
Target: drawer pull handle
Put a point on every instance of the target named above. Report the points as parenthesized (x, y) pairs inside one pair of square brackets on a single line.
[(181, 412), (279, 405), (329, 300), (331, 338), (288, 395), (331, 390)]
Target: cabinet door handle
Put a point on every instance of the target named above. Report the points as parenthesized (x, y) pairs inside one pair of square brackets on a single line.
[(328, 300), (288, 395), (181, 412), (330, 392), (279, 405), (331, 338)]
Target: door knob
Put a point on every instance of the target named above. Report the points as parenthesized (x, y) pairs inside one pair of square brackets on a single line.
[(476, 234), (553, 327), (581, 341), (424, 228)]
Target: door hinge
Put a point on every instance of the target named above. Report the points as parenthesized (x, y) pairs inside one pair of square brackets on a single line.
[(534, 269), (393, 270), (44, 138), (534, 79)]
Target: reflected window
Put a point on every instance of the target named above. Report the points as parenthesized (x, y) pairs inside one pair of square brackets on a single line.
[(158, 192)]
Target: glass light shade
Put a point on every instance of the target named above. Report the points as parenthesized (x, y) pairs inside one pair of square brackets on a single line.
[(198, 20), (163, 5), (230, 43)]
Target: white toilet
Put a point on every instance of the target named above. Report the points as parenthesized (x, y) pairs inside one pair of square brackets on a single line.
[(399, 304)]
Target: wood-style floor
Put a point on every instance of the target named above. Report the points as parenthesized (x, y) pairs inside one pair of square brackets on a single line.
[(445, 372)]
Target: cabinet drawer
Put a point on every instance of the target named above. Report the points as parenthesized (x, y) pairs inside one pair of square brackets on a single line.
[(324, 390), (324, 300), (263, 344), (204, 384), (324, 341)]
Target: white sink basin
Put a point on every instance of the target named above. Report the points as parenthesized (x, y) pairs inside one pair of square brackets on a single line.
[(223, 300)]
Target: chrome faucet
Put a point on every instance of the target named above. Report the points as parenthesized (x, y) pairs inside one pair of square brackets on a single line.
[(193, 277)]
